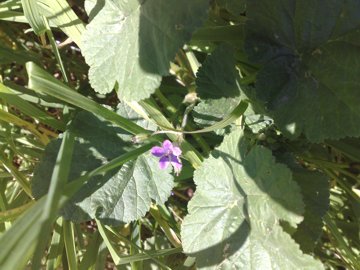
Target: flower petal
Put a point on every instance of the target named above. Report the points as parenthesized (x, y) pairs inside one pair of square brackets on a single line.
[(164, 162), (176, 151), (167, 146), (157, 151), (176, 163)]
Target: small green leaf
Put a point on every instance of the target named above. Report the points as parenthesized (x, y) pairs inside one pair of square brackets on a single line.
[(233, 220), (127, 112), (138, 41), (227, 120)]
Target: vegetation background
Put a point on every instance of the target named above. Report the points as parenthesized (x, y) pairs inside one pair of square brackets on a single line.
[(54, 127)]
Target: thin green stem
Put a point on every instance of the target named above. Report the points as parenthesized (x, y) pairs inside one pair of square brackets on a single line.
[(170, 234), (190, 153), (171, 108)]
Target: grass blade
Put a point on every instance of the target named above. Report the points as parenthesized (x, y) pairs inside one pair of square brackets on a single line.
[(34, 16), (91, 254), (41, 81), (58, 180), (56, 246), (12, 214), (69, 241), (235, 114), (55, 49), (29, 109), (59, 13), (19, 177), (10, 118), (19, 242)]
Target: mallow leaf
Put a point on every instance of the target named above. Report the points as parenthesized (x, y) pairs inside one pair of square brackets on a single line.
[(316, 192), (131, 43), (311, 65), (233, 6), (92, 7), (217, 86), (205, 114), (127, 112), (233, 220), (121, 195)]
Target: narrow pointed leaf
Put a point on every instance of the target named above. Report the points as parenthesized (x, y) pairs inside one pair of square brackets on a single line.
[(43, 82), (34, 16)]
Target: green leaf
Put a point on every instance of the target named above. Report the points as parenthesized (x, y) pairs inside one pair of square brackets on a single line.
[(33, 14), (311, 73), (233, 6), (154, 112), (9, 96), (43, 83), (224, 33), (9, 55), (92, 7), (138, 41), (257, 122), (121, 195), (233, 220), (226, 121), (59, 178), (127, 112), (19, 242), (218, 77), (217, 86), (315, 189), (206, 114), (60, 14)]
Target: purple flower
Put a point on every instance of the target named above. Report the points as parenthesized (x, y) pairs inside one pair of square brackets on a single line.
[(168, 153)]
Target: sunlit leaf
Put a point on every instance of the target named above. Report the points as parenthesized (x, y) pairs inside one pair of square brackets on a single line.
[(121, 195), (138, 41), (233, 221)]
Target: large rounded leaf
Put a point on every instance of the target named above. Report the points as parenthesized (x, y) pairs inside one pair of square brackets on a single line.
[(310, 51), (121, 195), (233, 221), (131, 43)]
